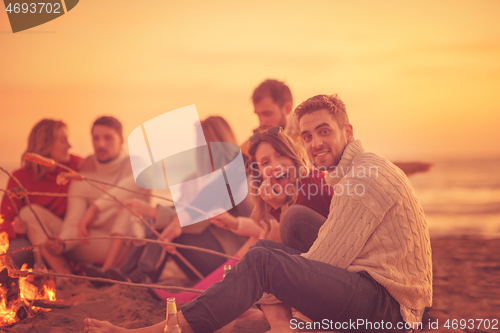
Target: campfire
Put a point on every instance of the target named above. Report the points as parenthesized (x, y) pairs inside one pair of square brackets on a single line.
[(21, 295)]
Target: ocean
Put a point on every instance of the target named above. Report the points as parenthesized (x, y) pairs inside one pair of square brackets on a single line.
[(459, 197)]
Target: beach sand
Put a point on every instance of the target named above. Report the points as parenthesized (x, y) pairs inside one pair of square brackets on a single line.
[(466, 286)]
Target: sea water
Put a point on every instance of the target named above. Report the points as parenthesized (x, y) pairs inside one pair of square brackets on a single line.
[(461, 197)]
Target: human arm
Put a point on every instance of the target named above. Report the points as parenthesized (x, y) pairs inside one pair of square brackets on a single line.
[(243, 226), (163, 215), (248, 227), (77, 207), (172, 231), (225, 221), (351, 221), (103, 202), (141, 207), (87, 220)]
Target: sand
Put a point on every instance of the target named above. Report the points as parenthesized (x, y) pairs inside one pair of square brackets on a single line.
[(466, 286)]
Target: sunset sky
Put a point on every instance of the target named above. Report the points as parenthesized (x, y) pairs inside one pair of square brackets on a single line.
[(421, 79)]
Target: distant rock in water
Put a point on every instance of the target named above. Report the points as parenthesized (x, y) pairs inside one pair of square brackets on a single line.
[(409, 168)]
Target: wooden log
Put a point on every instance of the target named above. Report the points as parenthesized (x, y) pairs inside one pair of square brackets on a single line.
[(46, 304)]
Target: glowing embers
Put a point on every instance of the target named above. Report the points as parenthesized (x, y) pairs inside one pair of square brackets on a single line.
[(4, 246), (19, 292), (7, 314)]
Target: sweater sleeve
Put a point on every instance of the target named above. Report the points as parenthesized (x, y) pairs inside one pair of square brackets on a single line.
[(8, 211), (248, 227), (353, 218), (103, 202), (77, 207)]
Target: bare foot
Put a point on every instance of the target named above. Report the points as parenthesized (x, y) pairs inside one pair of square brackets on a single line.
[(253, 314), (282, 329), (97, 326)]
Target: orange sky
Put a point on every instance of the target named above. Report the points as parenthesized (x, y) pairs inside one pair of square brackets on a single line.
[(420, 79)]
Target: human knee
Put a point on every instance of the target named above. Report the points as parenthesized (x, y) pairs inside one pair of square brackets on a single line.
[(266, 243), (291, 221), (26, 214), (256, 253), (294, 216)]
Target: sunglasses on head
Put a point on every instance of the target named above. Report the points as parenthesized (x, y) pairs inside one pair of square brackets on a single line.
[(272, 131)]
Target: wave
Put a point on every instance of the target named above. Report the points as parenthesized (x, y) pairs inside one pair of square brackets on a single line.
[(457, 209)]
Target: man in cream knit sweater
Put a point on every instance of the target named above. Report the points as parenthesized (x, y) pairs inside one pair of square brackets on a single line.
[(370, 267), (90, 212)]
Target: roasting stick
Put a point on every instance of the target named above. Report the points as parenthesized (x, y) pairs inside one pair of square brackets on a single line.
[(18, 273), (73, 175), (28, 203), (35, 158), (144, 240)]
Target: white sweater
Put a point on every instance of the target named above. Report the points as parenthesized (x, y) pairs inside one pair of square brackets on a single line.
[(379, 227), (82, 195)]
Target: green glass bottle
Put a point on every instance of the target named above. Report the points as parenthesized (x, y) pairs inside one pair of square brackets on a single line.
[(172, 323), (227, 268)]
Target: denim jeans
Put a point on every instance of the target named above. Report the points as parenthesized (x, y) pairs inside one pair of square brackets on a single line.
[(150, 259), (320, 291), (299, 227)]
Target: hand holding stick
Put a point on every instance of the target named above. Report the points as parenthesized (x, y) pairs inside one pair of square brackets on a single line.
[(49, 162)]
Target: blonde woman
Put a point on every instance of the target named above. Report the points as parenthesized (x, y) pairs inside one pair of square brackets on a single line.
[(279, 179), (48, 138)]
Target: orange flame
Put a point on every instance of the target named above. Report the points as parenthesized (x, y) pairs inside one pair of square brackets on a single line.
[(28, 291), (7, 315), (4, 242), (4, 246), (49, 293)]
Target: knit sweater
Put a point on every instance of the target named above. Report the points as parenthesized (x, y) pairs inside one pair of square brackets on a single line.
[(376, 224), (83, 195), (47, 183)]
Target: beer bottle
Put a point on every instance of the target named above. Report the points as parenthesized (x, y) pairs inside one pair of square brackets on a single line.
[(172, 323), (227, 268)]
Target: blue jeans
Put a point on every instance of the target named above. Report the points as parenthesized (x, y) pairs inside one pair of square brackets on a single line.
[(318, 290), (299, 227)]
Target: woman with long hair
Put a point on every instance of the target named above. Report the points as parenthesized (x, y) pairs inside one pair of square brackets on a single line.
[(146, 263), (281, 182), (48, 138)]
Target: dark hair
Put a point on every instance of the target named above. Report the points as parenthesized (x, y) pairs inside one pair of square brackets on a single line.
[(277, 90), (110, 122), (333, 103)]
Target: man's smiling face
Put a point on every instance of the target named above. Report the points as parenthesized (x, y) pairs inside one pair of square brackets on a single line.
[(323, 139)]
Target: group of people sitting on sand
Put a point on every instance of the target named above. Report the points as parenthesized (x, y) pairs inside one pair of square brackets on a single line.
[(338, 233)]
